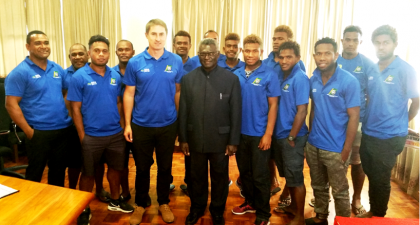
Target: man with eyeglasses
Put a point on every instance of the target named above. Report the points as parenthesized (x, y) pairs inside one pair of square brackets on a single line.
[(210, 121)]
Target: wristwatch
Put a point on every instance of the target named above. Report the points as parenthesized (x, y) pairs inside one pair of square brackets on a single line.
[(291, 138)]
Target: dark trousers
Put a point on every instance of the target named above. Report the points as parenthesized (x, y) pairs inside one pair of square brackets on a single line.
[(255, 174), (219, 175), (187, 177), (145, 141), (49, 147), (378, 158)]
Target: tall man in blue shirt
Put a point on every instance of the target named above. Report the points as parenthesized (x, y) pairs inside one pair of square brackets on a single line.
[(150, 105), (282, 34), (361, 67), (260, 93), (94, 93), (334, 118), (34, 100), (232, 50), (387, 115), (291, 131)]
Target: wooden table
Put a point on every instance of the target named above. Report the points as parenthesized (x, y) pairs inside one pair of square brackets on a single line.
[(37, 203)]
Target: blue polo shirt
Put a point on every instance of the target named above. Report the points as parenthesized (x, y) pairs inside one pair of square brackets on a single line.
[(270, 62), (262, 83), (155, 87), (42, 101), (389, 91), (190, 65), (360, 67), (196, 60), (99, 100), (117, 69), (69, 73), (294, 92), (225, 66), (329, 126)]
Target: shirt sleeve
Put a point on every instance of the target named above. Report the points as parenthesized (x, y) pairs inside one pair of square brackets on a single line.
[(130, 74), (302, 90), (352, 93), (75, 92), (273, 86), (15, 84), (412, 90)]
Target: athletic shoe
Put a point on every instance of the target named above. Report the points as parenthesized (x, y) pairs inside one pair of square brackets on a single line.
[(230, 182), (171, 187), (84, 217), (242, 209), (116, 205), (125, 199)]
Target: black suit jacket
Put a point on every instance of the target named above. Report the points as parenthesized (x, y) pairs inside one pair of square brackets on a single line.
[(210, 110)]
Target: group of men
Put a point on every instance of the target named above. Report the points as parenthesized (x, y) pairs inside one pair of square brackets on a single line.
[(255, 110)]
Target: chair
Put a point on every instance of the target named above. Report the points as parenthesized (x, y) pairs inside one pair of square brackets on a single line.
[(8, 138)]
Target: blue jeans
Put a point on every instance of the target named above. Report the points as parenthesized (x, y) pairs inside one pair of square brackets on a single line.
[(255, 175)]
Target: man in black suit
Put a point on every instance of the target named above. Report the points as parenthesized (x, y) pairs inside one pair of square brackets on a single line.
[(210, 127)]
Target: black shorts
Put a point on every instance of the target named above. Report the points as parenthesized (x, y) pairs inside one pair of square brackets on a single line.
[(111, 148)]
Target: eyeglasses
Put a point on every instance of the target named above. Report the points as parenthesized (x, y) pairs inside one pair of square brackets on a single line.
[(209, 54)]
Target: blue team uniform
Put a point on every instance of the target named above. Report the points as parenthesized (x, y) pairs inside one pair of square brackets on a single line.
[(42, 101), (262, 83), (225, 66), (155, 87), (388, 93), (360, 67), (99, 100), (329, 126), (295, 92), (270, 62)]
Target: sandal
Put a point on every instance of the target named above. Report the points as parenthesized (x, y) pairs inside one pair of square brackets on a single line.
[(104, 196), (285, 202), (281, 209), (274, 191), (358, 211)]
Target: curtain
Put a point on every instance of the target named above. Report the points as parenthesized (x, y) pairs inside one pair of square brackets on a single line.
[(12, 35), (45, 15), (85, 18), (309, 19)]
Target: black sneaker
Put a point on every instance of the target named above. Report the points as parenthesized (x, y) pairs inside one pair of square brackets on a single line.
[(84, 217), (116, 205), (125, 199)]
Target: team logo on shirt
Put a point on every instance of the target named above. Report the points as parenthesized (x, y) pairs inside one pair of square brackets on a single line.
[(146, 70), (92, 83), (257, 82), (332, 93), (358, 69), (113, 81), (56, 74), (341, 66), (389, 79), (314, 90), (286, 88), (168, 69), (36, 76)]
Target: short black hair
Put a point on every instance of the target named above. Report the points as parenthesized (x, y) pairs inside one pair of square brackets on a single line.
[(210, 31), (182, 33), (208, 41), (326, 40), (290, 45), (28, 37), (97, 38), (353, 28), (385, 29), (132, 46)]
